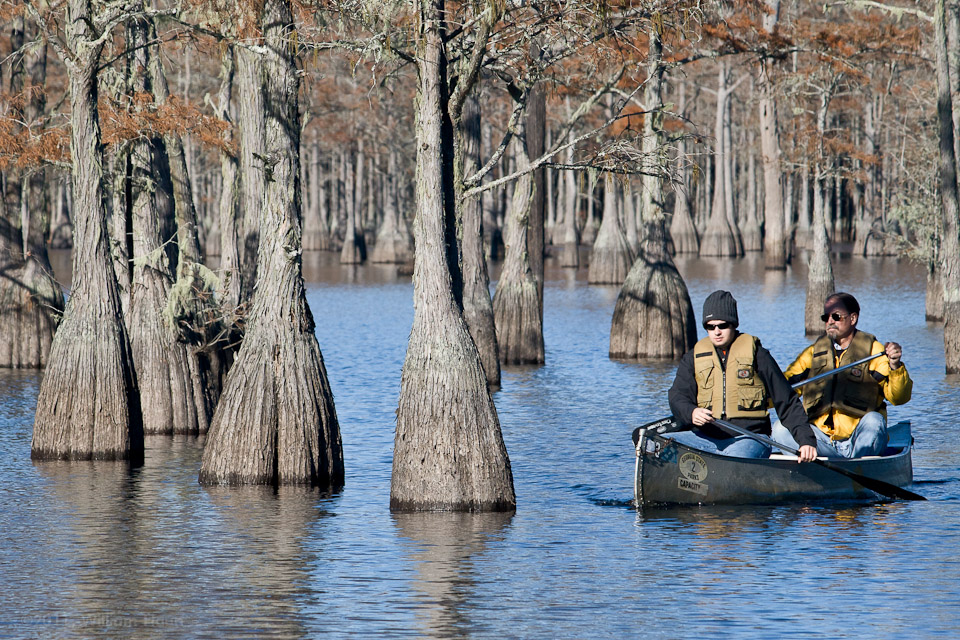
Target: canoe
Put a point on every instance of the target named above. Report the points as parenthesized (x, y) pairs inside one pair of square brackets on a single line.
[(670, 473)]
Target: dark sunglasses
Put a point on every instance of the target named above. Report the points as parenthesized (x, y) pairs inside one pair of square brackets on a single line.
[(722, 326), (836, 317)]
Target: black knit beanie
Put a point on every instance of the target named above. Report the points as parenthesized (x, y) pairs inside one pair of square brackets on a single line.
[(720, 306)]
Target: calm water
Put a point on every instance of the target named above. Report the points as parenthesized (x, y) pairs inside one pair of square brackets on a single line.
[(95, 550)]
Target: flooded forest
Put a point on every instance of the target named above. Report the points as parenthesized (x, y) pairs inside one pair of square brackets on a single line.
[(188, 153)]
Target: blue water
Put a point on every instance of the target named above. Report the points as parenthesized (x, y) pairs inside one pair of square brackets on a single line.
[(96, 550)]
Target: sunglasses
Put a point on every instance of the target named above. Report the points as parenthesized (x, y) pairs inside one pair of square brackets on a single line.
[(721, 325), (836, 317)]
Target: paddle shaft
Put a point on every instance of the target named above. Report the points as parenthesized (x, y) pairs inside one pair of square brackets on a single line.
[(878, 486), (827, 374)]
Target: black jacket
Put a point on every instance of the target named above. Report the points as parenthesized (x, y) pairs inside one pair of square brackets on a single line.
[(683, 400)]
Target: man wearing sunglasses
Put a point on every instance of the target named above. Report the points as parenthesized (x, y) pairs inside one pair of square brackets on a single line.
[(729, 375), (848, 408)]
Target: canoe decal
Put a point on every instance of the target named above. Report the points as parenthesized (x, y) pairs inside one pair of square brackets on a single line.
[(694, 471), (693, 467)]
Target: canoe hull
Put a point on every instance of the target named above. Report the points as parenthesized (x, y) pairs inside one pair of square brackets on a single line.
[(670, 473)]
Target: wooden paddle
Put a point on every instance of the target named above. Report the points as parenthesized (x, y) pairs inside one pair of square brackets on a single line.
[(878, 486)]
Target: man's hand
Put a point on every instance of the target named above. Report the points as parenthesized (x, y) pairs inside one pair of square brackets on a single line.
[(702, 416), (894, 353), (807, 454)]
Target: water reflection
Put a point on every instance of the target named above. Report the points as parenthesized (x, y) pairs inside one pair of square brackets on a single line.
[(444, 549)]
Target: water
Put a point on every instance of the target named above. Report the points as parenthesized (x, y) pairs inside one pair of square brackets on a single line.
[(96, 550)]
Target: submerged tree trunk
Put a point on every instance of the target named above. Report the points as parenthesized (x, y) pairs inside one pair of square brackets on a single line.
[(88, 405), (721, 237), (276, 422), (477, 305), (394, 241), (516, 304), (611, 257), (448, 449), (160, 359), (316, 231), (683, 233), (653, 316)]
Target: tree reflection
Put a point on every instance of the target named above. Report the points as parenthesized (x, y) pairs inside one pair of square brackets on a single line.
[(445, 546)]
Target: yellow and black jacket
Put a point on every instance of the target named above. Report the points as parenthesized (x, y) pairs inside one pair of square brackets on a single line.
[(739, 385), (836, 403)]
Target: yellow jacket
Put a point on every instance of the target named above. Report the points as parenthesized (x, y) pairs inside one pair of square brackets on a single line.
[(895, 384)]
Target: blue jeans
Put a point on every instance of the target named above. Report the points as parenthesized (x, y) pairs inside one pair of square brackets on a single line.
[(738, 446), (868, 439)]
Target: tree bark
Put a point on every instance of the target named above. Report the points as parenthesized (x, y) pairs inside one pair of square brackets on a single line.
[(448, 450), (276, 422), (820, 281), (570, 249), (517, 311), (253, 163), (88, 405), (477, 305), (949, 195), (774, 231), (229, 204)]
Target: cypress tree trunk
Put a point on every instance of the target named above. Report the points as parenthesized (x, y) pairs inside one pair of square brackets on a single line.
[(448, 451), (752, 236), (570, 249), (611, 257), (276, 422), (720, 236), (88, 405), (516, 303), (949, 196), (820, 282), (394, 242), (159, 358), (229, 204), (354, 250), (477, 305), (253, 167), (683, 233), (774, 232), (316, 232), (191, 306), (31, 301), (653, 316)]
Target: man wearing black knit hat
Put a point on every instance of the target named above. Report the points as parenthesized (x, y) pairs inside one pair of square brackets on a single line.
[(730, 376)]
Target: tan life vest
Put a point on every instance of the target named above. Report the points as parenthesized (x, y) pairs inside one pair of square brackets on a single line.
[(854, 391), (738, 391)]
